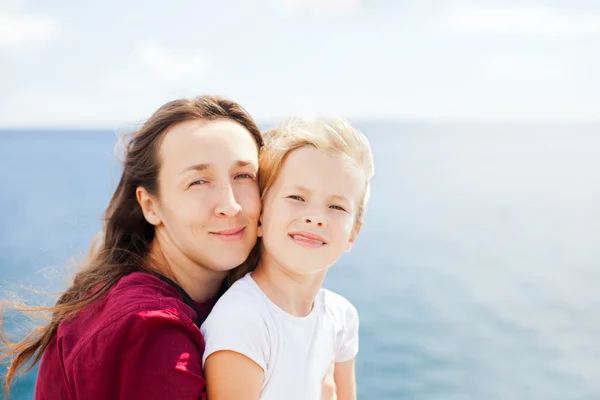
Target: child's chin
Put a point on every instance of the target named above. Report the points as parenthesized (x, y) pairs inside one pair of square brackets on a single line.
[(303, 271)]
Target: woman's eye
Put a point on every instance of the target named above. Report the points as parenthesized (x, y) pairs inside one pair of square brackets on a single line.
[(198, 182), (294, 197)]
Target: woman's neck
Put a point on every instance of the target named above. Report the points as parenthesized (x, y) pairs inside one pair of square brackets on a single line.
[(293, 293), (200, 283)]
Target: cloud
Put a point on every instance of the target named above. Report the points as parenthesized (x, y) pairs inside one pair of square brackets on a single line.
[(18, 31), (323, 6), (151, 76), (45, 105), (524, 67), (500, 64), (153, 67), (524, 21)]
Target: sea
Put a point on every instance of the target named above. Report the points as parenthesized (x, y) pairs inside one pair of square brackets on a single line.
[(476, 274)]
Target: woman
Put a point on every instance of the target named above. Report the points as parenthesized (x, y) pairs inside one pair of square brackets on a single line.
[(182, 218)]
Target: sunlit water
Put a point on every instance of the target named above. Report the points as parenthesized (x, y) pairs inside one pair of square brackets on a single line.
[(476, 275)]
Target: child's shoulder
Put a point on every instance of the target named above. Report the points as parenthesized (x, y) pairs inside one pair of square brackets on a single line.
[(244, 288), (338, 305), (345, 319), (242, 298)]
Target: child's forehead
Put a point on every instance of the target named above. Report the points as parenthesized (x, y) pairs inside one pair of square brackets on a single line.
[(311, 169)]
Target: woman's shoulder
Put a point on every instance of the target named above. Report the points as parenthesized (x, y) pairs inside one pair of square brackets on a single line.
[(142, 286), (143, 291), (139, 305), (139, 331)]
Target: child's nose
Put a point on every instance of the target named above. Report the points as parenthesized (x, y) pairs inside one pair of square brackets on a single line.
[(313, 220)]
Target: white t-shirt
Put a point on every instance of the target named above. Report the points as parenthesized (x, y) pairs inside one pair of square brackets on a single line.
[(294, 352)]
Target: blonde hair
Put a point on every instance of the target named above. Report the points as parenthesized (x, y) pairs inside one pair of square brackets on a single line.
[(331, 135)]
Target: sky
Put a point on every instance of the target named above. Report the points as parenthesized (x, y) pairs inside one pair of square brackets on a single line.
[(106, 64)]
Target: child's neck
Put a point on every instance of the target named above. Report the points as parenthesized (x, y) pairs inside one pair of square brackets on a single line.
[(295, 294)]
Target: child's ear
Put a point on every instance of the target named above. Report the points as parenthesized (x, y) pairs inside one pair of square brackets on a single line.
[(353, 235), (149, 206), (259, 231)]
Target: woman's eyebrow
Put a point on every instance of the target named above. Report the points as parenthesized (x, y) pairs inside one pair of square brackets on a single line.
[(196, 167), (205, 166)]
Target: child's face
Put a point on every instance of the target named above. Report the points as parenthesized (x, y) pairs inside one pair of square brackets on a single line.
[(309, 214)]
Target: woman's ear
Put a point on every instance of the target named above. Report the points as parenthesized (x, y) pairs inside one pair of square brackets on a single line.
[(149, 206)]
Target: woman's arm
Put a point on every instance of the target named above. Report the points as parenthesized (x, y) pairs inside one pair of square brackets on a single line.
[(345, 380), (232, 376)]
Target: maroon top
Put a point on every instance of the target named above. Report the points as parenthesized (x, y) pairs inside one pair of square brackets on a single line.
[(138, 342)]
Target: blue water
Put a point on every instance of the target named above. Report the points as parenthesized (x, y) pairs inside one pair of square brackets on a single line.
[(476, 274)]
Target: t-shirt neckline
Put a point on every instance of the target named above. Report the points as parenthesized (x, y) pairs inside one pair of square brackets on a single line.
[(309, 317)]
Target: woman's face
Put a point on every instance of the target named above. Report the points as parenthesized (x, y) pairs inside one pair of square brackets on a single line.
[(208, 201)]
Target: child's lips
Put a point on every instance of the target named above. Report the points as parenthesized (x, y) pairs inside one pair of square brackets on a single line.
[(308, 239)]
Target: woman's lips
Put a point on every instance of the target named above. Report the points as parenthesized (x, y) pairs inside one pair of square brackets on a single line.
[(230, 235)]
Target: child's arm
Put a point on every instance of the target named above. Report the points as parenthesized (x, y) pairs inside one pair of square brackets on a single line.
[(328, 391), (232, 376), (345, 380), (346, 350)]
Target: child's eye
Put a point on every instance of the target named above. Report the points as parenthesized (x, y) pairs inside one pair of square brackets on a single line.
[(337, 207), (198, 182), (244, 175), (294, 197)]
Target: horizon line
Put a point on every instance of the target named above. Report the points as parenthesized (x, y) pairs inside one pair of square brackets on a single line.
[(364, 120)]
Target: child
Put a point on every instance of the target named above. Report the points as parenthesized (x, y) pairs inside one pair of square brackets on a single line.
[(275, 332)]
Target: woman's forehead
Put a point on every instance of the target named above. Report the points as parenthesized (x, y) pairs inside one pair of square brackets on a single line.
[(201, 143)]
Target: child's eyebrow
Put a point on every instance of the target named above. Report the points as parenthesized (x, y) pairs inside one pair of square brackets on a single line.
[(299, 188), (339, 197), (304, 189)]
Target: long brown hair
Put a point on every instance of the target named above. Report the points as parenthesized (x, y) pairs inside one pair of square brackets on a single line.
[(126, 237)]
